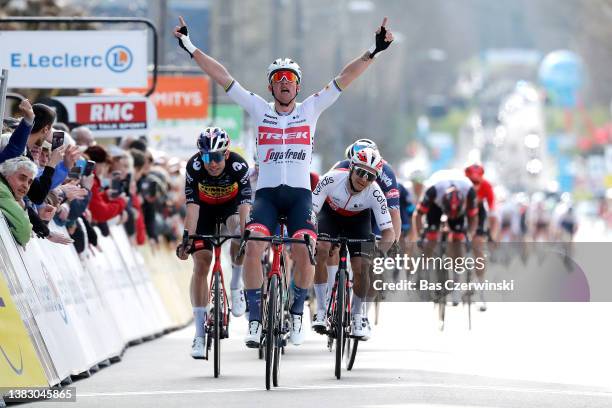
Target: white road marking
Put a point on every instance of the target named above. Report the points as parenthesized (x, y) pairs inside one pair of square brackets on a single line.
[(348, 386)]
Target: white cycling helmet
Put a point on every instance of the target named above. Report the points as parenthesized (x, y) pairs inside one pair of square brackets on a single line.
[(358, 145), (213, 139), (368, 158), (281, 64)]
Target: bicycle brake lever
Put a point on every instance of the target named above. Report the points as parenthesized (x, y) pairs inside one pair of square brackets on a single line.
[(243, 242), (310, 254)]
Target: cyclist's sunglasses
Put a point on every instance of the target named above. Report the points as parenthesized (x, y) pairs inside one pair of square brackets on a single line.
[(288, 76), (362, 173), (217, 157)]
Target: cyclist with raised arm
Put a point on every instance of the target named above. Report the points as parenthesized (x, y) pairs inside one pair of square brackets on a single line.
[(217, 188), (488, 223), (344, 201), (285, 136), (450, 193)]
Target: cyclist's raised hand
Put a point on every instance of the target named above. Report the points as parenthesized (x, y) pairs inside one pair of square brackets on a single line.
[(182, 34), (382, 40)]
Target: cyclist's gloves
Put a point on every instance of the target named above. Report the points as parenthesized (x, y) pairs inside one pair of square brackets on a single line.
[(185, 43), (394, 250), (379, 44)]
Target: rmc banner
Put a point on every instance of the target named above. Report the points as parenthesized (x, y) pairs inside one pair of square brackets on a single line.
[(74, 59)]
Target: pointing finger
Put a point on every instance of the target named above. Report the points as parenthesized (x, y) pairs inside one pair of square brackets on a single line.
[(384, 22), (182, 21)]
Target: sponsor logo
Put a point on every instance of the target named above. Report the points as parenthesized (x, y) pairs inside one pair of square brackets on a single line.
[(273, 156), (237, 166), (17, 369), (270, 116), (270, 122), (217, 194), (118, 58), (385, 179), (188, 178), (112, 115), (322, 183), (394, 193), (197, 166), (296, 122), (14, 367), (378, 195), (292, 135)]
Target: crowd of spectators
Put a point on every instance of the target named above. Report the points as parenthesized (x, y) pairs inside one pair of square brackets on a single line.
[(51, 174)]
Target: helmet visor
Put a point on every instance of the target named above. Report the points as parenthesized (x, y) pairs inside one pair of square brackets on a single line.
[(363, 173)]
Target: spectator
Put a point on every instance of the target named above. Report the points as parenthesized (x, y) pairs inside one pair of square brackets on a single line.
[(83, 136), (42, 128), (103, 207), (18, 140), (16, 176)]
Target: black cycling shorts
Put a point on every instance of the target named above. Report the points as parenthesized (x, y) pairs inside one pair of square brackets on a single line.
[(333, 225), (292, 202), (482, 220), (434, 216), (207, 220)]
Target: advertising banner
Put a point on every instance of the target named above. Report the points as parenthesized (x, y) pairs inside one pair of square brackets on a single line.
[(74, 59)]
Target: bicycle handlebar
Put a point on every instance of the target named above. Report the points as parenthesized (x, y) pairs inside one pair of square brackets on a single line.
[(277, 240), (216, 240)]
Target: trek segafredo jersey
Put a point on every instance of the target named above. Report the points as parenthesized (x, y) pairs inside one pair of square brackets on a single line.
[(284, 142)]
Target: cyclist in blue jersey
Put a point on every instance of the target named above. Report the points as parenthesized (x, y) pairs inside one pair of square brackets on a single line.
[(285, 135)]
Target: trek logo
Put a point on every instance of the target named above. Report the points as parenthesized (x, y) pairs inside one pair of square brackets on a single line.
[(117, 59), (275, 136), (272, 156)]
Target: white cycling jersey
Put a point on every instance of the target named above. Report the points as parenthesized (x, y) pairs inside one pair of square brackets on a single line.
[(333, 189), (284, 141)]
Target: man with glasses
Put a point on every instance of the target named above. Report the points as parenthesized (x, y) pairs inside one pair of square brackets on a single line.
[(285, 137), (344, 201), (216, 187)]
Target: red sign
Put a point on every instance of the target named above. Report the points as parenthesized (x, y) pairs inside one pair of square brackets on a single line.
[(293, 135), (110, 115)]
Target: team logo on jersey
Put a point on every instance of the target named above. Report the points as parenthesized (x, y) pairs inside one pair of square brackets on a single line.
[(217, 194), (291, 135), (289, 155), (197, 166), (237, 166)]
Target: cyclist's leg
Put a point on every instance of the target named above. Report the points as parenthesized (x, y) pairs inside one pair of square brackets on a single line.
[(433, 221), (456, 250), (478, 247), (300, 221), (327, 226), (262, 220), (232, 227), (201, 252), (359, 227)]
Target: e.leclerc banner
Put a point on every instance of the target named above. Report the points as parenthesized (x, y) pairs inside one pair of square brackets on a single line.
[(74, 59)]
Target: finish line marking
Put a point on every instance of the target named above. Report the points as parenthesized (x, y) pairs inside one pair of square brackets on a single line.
[(349, 386)]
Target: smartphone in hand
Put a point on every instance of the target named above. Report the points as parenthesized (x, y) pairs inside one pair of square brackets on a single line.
[(58, 140), (75, 172), (89, 168)]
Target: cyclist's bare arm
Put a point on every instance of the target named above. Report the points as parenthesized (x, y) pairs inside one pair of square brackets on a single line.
[(243, 212), (358, 66), (396, 218), (191, 218), (387, 239), (208, 64)]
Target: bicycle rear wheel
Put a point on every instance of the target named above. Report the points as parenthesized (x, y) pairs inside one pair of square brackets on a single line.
[(339, 320), (218, 324), (270, 328)]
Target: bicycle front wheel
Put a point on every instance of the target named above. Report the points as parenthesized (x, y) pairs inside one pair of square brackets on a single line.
[(270, 328), (217, 324), (339, 319)]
